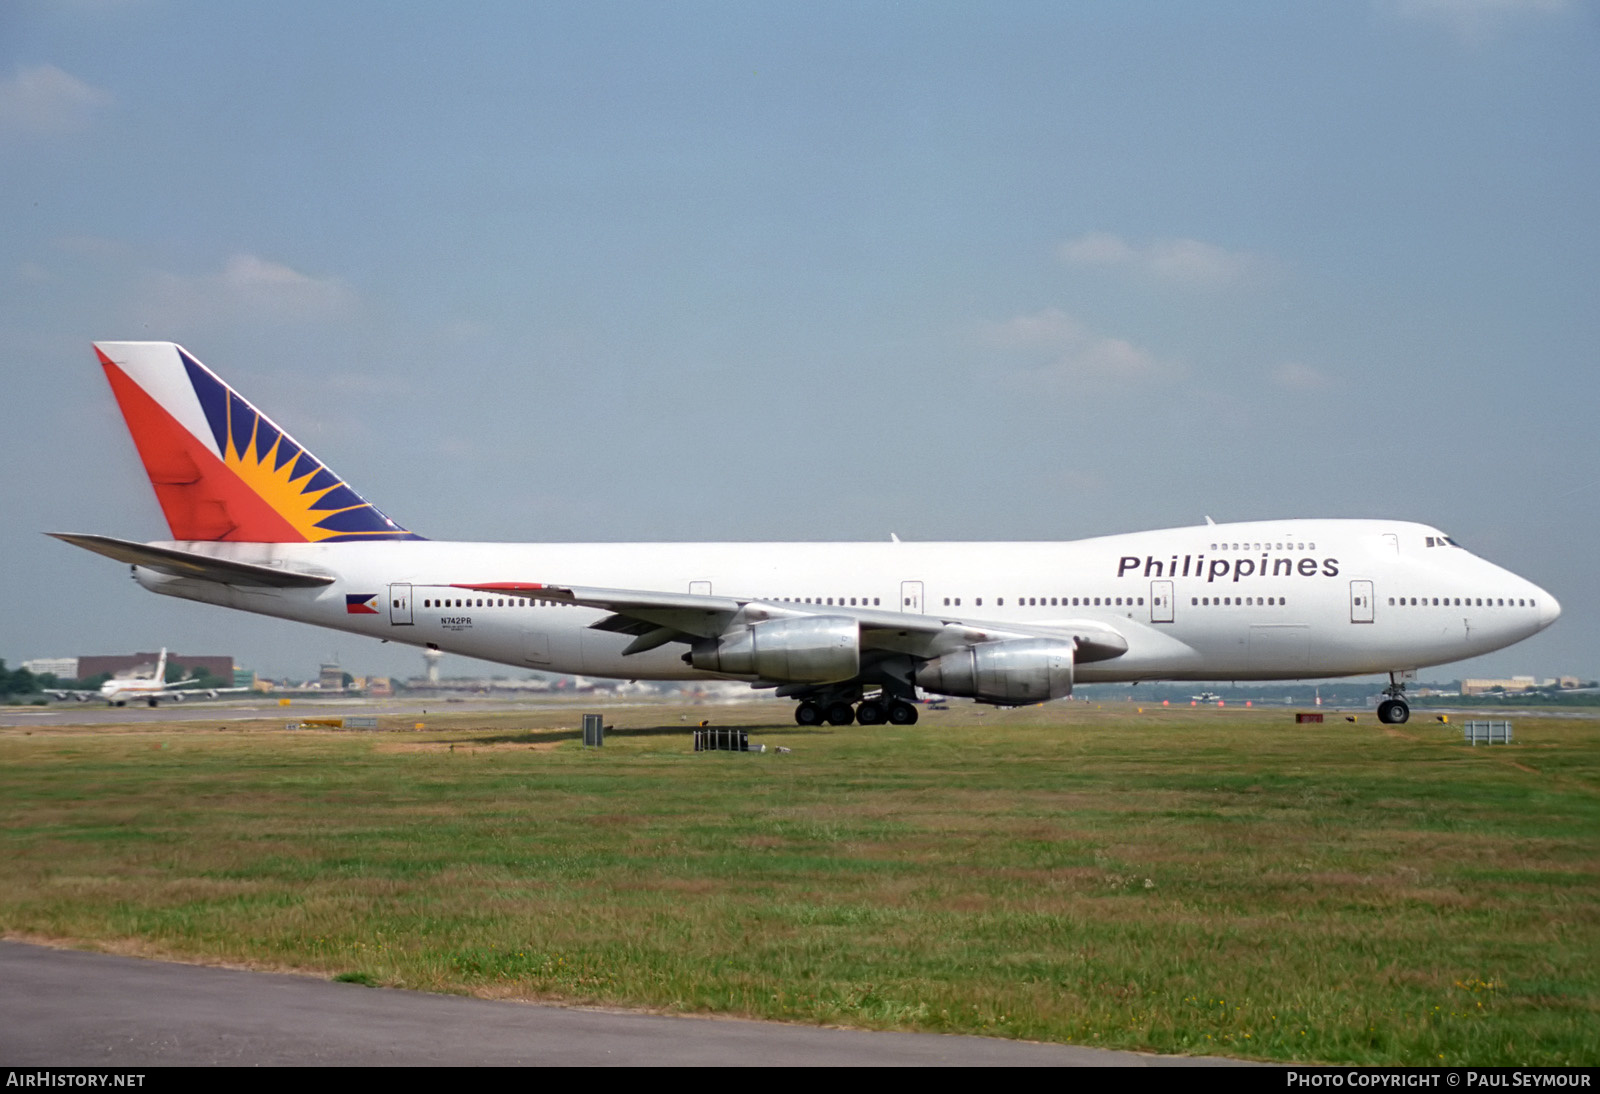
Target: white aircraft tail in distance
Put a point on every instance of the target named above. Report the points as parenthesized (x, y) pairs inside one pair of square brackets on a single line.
[(848, 630)]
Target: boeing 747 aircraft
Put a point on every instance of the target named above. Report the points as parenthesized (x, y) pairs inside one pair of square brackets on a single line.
[(152, 689), (850, 630)]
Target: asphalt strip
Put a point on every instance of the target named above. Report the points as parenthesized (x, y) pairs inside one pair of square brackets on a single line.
[(71, 1008)]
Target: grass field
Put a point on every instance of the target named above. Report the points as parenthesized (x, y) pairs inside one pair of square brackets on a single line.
[(1175, 880)]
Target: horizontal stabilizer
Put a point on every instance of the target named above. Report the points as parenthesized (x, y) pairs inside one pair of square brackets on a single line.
[(170, 560)]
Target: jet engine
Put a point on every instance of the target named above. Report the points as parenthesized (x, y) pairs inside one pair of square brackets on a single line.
[(815, 649), (1022, 670)]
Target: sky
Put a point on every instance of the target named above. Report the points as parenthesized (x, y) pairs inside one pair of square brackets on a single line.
[(731, 271)]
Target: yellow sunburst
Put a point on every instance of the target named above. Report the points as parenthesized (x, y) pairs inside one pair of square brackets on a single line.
[(278, 486)]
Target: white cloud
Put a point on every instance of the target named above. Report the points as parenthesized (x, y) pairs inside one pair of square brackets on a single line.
[(248, 288), (276, 288), (41, 100), (1098, 249), (1476, 20), (1295, 376), (1066, 350), (1188, 262)]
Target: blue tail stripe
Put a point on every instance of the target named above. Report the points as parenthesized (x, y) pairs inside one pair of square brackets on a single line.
[(213, 398), (340, 497)]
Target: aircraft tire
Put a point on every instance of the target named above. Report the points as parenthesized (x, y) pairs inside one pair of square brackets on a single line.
[(808, 714), (841, 714), (871, 713), (902, 713), (1393, 712)]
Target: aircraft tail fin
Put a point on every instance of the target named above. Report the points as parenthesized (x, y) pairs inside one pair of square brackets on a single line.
[(222, 470), (161, 668)]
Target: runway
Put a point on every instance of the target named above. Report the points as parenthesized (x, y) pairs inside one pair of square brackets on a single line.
[(241, 710), (98, 714), (69, 1008)]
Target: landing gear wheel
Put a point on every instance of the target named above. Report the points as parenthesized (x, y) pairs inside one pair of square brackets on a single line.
[(840, 714), (871, 713), (808, 714), (1393, 712), (902, 713)]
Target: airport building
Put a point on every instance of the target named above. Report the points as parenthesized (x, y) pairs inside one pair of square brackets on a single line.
[(145, 663), (62, 668), (1516, 684)]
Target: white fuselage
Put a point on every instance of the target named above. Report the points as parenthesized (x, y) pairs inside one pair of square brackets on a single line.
[(120, 691), (1264, 600)]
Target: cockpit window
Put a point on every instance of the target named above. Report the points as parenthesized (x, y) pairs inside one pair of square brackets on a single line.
[(1441, 541)]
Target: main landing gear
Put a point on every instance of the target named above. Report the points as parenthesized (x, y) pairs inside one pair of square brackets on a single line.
[(838, 711), (1394, 710)]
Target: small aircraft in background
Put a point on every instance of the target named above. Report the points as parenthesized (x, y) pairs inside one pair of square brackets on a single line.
[(152, 689)]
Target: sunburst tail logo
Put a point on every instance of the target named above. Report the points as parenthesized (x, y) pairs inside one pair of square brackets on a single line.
[(223, 470)]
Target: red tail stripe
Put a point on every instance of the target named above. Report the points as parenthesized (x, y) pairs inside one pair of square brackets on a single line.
[(200, 496)]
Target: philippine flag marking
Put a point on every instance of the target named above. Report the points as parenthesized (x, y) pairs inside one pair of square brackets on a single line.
[(361, 603)]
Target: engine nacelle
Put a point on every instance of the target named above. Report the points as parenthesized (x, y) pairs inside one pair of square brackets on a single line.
[(817, 649), (1023, 670)]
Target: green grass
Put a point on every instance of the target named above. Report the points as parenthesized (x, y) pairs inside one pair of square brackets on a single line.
[(1171, 880)]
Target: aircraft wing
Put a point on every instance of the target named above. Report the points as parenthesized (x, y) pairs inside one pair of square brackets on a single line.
[(192, 688), (180, 692), (657, 618), (180, 563)]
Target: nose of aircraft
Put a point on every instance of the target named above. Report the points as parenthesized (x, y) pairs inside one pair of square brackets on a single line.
[(1549, 609)]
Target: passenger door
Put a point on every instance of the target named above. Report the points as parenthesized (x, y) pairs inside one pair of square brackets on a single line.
[(1161, 602), (1361, 602), (400, 605)]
